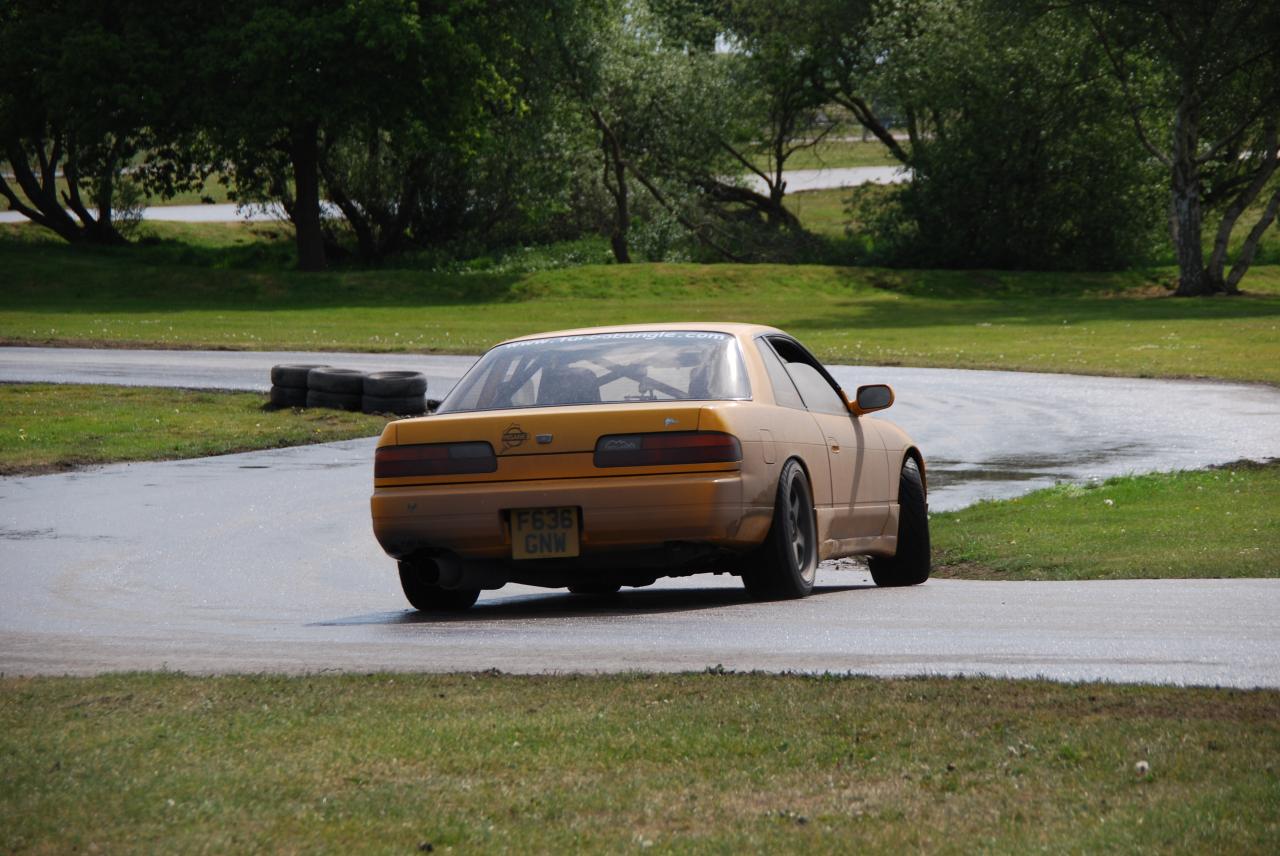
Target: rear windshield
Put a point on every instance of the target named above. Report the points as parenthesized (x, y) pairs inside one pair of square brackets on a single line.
[(603, 368)]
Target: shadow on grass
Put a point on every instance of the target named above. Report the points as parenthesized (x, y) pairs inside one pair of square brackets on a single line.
[(951, 298), (136, 280), (44, 277)]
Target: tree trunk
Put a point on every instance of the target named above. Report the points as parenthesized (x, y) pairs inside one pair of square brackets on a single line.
[(621, 223), (304, 149), (360, 224), (1250, 245), (1188, 213), (746, 196), (45, 209), (1246, 197), (615, 181)]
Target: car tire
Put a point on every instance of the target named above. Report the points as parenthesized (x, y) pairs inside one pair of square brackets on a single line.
[(427, 597), (293, 376), (395, 384), (597, 589), (340, 381), (288, 396), (410, 406), (333, 400), (910, 565), (786, 564)]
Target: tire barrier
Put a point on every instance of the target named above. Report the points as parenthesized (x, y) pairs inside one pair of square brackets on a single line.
[(293, 376), (332, 400), (414, 405), (402, 393), (396, 392), (339, 381), (289, 384), (287, 396), (395, 384)]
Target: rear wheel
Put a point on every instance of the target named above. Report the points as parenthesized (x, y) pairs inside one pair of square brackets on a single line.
[(429, 597), (787, 563), (910, 565)]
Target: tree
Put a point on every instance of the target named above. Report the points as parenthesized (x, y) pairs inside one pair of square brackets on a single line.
[(287, 80), (91, 90), (848, 45), (484, 146), (653, 103), (1013, 147), (1202, 83), (779, 108)]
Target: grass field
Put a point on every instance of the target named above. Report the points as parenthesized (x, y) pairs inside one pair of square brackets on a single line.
[(1112, 323), (684, 763), (52, 427), (830, 154), (1206, 523), (211, 190), (824, 212)]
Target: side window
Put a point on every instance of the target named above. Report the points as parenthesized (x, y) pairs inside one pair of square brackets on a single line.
[(818, 393), (784, 391)]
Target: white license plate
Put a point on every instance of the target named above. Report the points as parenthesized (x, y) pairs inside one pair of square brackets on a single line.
[(544, 533)]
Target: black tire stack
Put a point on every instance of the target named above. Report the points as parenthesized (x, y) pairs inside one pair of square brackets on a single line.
[(289, 384), (403, 393), (338, 389), (399, 393)]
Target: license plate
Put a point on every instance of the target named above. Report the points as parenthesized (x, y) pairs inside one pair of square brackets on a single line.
[(544, 533)]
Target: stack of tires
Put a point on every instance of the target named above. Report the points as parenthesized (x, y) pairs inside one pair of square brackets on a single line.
[(289, 384), (401, 393), (337, 389)]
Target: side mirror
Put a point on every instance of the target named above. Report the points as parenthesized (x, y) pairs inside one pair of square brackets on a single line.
[(870, 398)]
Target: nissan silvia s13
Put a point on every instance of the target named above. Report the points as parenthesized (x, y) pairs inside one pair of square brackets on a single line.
[(599, 458)]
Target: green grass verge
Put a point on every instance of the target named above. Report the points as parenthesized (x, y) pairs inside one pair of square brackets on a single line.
[(54, 427), (1205, 523), (1113, 323), (687, 763)]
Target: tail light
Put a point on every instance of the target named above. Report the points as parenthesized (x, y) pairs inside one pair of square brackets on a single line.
[(433, 459), (674, 447)]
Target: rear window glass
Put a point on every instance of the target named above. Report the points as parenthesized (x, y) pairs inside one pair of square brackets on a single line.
[(603, 368)]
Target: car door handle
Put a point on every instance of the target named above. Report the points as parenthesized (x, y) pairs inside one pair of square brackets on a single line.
[(833, 443)]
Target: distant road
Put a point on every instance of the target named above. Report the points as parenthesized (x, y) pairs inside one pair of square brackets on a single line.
[(222, 213), (249, 370), (797, 180)]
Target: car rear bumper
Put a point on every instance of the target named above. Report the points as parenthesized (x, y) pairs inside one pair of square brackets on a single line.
[(619, 514)]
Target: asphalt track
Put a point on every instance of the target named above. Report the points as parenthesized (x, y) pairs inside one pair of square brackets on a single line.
[(264, 561)]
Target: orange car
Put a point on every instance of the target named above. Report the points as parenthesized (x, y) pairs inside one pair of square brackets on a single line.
[(613, 456)]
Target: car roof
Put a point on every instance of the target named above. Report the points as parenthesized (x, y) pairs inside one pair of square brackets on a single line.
[(731, 328)]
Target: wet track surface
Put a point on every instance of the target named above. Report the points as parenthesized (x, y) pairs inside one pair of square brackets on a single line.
[(984, 434), (264, 561)]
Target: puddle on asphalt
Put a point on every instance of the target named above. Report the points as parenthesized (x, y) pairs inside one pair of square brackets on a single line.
[(943, 477), (1028, 468)]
